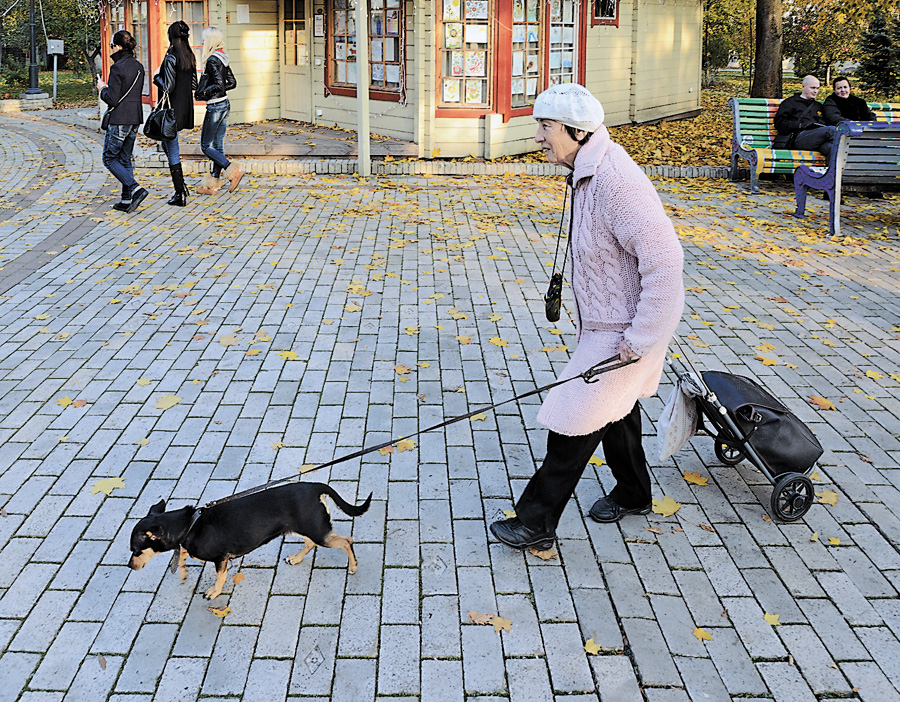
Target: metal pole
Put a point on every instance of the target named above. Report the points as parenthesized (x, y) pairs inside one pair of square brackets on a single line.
[(54, 77), (33, 88), (362, 86)]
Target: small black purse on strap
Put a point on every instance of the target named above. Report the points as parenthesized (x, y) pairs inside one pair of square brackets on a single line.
[(553, 298)]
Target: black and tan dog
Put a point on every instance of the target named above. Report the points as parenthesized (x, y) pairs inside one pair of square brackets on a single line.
[(236, 527)]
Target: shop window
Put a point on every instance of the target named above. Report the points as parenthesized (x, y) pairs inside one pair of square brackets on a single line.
[(139, 32), (605, 12), (544, 47), (193, 12), (295, 51), (465, 53), (386, 42)]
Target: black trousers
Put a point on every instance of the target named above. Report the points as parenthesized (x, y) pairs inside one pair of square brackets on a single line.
[(544, 498)]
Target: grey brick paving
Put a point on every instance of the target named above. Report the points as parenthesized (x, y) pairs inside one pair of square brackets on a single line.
[(398, 629)]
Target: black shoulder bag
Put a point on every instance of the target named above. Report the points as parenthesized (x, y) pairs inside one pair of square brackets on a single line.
[(553, 298), (104, 121)]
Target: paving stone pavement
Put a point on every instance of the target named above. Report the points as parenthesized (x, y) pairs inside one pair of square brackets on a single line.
[(301, 318)]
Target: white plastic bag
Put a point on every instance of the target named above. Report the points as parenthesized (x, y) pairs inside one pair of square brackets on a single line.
[(678, 422)]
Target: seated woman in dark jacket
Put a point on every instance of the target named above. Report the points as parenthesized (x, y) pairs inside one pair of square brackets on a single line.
[(841, 106)]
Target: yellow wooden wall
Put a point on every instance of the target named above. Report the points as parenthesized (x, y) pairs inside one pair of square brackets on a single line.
[(253, 50)]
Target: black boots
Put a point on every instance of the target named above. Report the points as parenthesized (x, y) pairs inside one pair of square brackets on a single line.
[(179, 199)]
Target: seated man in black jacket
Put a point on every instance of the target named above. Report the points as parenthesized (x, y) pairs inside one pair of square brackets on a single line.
[(800, 122)]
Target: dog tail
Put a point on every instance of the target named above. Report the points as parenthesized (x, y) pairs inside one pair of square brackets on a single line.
[(346, 507)]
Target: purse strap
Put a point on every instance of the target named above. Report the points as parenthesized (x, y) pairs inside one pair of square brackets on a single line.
[(134, 83), (562, 218)]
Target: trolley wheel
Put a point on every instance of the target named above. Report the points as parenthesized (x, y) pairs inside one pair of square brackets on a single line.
[(729, 455), (792, 497)]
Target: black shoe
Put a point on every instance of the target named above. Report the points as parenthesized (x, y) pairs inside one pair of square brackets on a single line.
[(123, 205), (606, 511), (179, 199), (515, 534), (137, 197)]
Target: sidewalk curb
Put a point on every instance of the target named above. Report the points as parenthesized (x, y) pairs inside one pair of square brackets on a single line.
[(339, 166)]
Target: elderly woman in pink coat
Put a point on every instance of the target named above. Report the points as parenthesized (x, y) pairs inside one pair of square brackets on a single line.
[(626, 276)]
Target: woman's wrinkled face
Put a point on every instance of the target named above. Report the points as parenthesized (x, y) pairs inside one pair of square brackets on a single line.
[(842, 89), (558, 146)]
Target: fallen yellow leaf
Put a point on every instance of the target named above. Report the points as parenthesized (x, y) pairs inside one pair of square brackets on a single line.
[(591, 647), (666, 506), (64, 401), (220, 611), (695, 478), (167, 402), (238, 577), (278, 444), (229, 340), (702, 634), (827, 497), (306, 467), (144, 381), (596, 461), (821, 402), (405, 445), (834, 541), (480, 417), (497, 341), (772, 619), (107, 485), (142, 442), (289, 355), (814, 537)]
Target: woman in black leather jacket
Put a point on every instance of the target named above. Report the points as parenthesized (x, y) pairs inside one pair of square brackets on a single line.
[(216, 81), (177, 76)]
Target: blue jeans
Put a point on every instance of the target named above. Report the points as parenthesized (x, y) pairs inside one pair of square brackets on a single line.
[(118, 146), (212, 136), (170, 146)]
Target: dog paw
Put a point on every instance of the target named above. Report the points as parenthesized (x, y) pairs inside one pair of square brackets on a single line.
[(212, 593), (182, 573), (293, 560)]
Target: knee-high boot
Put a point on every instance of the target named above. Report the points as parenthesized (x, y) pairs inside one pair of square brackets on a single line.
[(179, 199)]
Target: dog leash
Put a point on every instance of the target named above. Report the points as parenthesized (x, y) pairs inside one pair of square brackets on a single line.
[(589, 376)]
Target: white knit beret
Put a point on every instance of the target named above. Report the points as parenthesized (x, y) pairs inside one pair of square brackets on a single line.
[(571, 104)]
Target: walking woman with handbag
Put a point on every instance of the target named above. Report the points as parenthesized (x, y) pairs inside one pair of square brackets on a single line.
[(212, 88), (626, 275), (177, 78), (124, 116)]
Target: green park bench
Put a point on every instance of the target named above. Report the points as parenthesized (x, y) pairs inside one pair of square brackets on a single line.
[(753, 121)]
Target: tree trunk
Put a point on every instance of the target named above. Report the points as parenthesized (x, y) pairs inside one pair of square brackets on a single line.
[(767, 76)]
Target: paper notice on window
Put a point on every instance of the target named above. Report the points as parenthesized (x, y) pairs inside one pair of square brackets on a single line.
[(392, 74), (476, 33), (243, 14)]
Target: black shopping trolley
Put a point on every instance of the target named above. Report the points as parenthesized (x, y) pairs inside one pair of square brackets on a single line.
[(747, 422)]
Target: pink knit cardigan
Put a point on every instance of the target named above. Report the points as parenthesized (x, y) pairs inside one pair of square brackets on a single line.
[(626, 274)]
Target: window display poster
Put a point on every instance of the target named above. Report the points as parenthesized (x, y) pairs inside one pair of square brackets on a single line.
[(319, 26), (340, 50), (518, 33), (340, 22), (351, 73), (567, 59), (476, 9), (476, 33), (393, 22), (393, 3), (474, 91), (340, 72), (532, 14), (518, 10), (453, 35), (555, 59), (555, 10), (456, 63), (518, 67), (377, 23), (390, 49), (532, 36), (351, 25), (555, 34), (392, 74), (532, 86), (518, 86), (475, 63), (377, 72), (568, 11), (377, 51), (532, 64), (451, 9), (569, 35), (451, 90)]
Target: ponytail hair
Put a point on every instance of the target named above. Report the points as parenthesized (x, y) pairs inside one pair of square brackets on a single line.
[(124, 39), (180, 48)]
